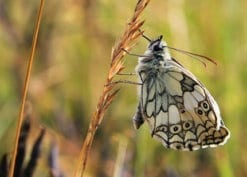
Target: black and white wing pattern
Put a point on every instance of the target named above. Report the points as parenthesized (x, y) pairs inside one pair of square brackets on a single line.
[(180, 111)]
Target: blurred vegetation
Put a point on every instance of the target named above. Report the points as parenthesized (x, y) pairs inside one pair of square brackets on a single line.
[(72, 60)]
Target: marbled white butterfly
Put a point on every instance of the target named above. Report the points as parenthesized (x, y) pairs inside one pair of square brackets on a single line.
[(180, 111)]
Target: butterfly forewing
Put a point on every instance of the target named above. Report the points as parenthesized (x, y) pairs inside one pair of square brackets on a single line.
[(180, 111)]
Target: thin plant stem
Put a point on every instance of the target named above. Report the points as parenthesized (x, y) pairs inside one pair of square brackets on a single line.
[(26, 83), (129, 37)]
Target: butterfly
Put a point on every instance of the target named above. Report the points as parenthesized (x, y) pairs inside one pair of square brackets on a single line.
[(179, 110)]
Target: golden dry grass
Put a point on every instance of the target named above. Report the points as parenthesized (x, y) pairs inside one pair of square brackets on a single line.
[(131, 34)]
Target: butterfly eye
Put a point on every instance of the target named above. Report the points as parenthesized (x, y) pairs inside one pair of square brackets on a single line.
[(156, 48)]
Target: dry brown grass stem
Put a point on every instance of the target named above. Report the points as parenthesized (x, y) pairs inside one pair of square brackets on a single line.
[(26, 83), (129, 38)]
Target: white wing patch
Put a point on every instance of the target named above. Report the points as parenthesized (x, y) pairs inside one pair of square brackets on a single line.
[(197, 93), (173, 115), (173, 85), (189, 101), (162, 118)]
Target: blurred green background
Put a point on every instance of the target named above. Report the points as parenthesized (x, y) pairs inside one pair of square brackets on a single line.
[(71, 64)]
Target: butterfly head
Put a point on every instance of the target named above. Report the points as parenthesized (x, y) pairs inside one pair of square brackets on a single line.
[(158, 47)]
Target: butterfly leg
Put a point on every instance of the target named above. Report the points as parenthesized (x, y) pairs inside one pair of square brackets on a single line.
[(126, 74), (123, 82), (132, 54), (138, 119)]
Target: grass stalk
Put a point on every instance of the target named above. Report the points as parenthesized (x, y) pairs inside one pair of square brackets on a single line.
[(129, 37), (26, 83)]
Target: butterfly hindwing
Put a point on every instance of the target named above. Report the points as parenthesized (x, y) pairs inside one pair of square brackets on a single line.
[(180, 111)]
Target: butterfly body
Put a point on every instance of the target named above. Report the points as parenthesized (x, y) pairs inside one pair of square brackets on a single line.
[(180, 111)]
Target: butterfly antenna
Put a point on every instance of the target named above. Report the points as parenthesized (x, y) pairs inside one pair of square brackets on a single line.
[(132, 54), (194, 55), (144, 36)]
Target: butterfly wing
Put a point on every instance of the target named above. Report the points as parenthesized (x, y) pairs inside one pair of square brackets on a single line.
[(180, 111)]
